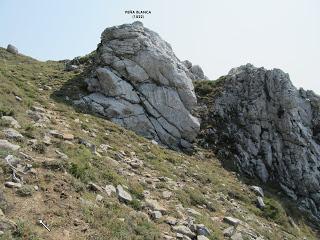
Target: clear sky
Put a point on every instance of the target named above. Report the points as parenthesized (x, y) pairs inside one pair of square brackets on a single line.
[(216, 34)]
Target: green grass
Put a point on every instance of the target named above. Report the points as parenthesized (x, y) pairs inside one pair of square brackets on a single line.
[(203, 176)]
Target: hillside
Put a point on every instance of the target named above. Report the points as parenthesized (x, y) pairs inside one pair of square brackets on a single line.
[(69, 163)]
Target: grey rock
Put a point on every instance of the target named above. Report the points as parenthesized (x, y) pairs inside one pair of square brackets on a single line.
[(202, 230), (166, 194), (12, 185), (197, 71), (155, 205), (183, 230), (110, 189), (171, 220), (99, 198), (156, 215), (187, 63), (12, 160), (269, 130), (94, 187), (228, 232), (232, 221), (139, 83), (237, 236), (12, 49), (193, 212), (4, 144), (257, 190), (12, 134), (123, 195), (11, 121), (201, 237), (7, 225), (260, 203)]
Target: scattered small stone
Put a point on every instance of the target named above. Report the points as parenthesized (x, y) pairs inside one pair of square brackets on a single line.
[(12, 160), (193, 212), (155, 206), (135, 162), (61, 155), (257, 190), (11, 121), (99, 198), (68, 136), (36, 188), (38, 109), (232, 221), (12, 185), (154, 142), (94, 187), (156, 215), (260, 203), (110, 189), (228, 232), (46, 140), (202, 230), (18, 98), (183, 230), (56, 133), (171, 220), (201, 237), (4, 144), (12, 134), (237, 236), (123, 195), (166, 194)]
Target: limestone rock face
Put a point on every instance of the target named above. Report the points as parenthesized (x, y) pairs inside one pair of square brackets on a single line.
[(139, 83), (269, 130)]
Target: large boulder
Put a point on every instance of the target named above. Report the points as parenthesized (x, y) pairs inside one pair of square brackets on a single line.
[(12, 49), (268, 129), (139, 83)]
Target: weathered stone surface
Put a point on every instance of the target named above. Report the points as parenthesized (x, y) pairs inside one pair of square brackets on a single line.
[(183, 230), (4, 144), (232, 221), (268, 129), (123, 195), (257, 190), (197, 72), (11, 121), (12, 49), (12, 134), (260, 203), (140, 84)]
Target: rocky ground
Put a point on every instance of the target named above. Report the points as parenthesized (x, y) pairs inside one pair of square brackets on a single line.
[(66, 174)]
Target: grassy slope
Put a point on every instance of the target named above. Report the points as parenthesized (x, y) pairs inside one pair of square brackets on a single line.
[(203, 184)]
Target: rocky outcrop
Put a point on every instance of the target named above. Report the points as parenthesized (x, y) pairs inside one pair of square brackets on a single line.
[(12, 49), (140, 84), (269, 130), (195, 71)]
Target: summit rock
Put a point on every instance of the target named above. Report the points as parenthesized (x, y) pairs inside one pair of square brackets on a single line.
[(139, 83)]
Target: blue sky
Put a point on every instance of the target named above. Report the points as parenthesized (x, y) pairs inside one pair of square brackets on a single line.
[(215, 34)]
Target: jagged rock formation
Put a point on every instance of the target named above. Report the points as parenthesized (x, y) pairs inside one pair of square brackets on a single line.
[(270, 130), (195, 71), (140, 84)]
